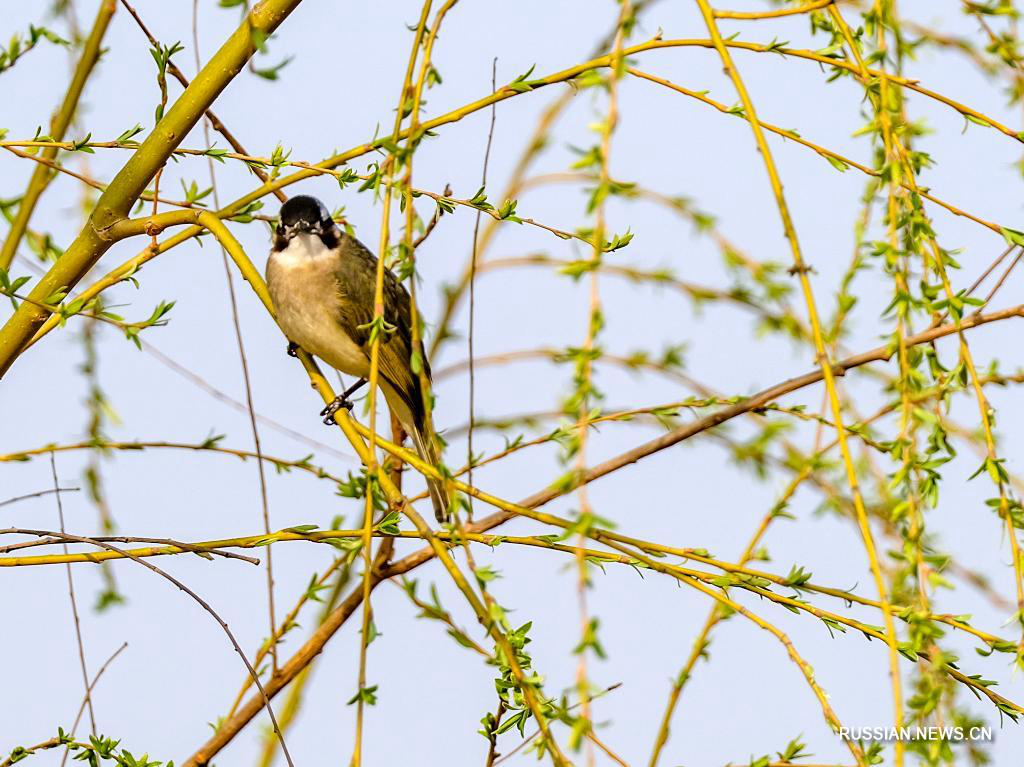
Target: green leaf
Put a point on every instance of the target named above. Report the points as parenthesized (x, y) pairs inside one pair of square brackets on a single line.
[(389, 525), (520, 84), (836, 163), (486, 574), (367, 695), (1012, 236), (271, 73), (129, 134)]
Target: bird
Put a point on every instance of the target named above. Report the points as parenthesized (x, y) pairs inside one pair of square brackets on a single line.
[(322, 283)]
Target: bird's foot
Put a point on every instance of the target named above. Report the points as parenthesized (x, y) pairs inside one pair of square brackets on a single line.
[(293, 349), (341, 401)]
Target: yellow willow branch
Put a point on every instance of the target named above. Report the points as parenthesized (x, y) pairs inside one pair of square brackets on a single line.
[(906, 437), (688, 577), (280, 463), (938, 261), (823, 151), (293, 702), (804, 666), (417, 343), (585, 393), (87, 180), (255, 162), (714, 616), (814, 5), (454, 538), (551, 354), (370, 457), (823, 360), (355, 432)]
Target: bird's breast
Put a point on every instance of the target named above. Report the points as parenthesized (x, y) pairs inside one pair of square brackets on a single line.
[(306, 299)]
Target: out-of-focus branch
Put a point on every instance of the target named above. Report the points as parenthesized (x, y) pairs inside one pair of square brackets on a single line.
[(41, 176)]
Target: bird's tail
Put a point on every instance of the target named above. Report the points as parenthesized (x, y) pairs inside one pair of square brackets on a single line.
[(426, 447)]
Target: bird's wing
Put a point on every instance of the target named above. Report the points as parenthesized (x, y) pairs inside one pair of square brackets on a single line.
[(356, 278)]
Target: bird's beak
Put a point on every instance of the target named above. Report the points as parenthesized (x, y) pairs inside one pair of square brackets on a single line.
[(299, 227)]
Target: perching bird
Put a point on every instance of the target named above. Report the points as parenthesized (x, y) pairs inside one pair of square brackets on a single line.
[(322, 283)]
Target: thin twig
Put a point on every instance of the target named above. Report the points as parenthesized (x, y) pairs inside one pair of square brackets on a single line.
[(246, 378), (202, 550), (88, 694), (989, 269), (202, 603), (526, 741), (19, 498), (197, 380), (74, 602), (1002, 279), (472, 289), (211, 118)]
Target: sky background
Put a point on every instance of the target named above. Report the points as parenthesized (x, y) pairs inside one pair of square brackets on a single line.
[(179, 672)]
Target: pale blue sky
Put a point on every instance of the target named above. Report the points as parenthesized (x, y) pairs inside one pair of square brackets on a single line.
[(179, 671)]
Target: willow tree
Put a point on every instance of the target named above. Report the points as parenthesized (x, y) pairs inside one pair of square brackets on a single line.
[(854, 330)]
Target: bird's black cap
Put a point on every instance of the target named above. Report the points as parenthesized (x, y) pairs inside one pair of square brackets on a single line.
[(305, 213)]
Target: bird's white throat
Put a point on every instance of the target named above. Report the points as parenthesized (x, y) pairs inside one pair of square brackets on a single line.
[(302, 249)]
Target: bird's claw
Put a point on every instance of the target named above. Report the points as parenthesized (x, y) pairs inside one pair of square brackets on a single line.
[(337, 404), (341, 401), (293, 349)]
